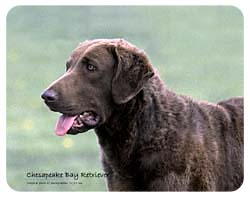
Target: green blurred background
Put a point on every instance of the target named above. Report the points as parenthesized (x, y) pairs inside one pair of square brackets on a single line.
[(197, 50)]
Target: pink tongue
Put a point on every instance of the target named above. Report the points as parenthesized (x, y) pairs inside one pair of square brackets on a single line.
[(63, 124)]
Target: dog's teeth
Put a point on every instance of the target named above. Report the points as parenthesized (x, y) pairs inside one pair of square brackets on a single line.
[(85, 114), (78, 121)]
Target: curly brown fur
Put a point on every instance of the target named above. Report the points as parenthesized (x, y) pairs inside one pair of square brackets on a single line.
[(152, 139)]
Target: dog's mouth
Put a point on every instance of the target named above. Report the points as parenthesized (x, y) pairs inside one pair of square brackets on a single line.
[(68, 124)]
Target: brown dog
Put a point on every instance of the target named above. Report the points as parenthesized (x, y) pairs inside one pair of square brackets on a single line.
[(150, 137)]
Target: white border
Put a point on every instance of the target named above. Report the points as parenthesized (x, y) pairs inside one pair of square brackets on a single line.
[(8, 5)]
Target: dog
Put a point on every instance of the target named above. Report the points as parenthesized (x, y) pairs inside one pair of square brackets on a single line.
[(151, 139)]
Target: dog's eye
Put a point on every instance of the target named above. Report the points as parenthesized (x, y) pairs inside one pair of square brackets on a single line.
[(91, 67)]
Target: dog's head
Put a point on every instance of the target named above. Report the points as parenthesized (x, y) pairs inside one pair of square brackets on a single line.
[(100, 74)]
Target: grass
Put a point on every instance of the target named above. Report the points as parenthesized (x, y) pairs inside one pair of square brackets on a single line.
[(197, 50)]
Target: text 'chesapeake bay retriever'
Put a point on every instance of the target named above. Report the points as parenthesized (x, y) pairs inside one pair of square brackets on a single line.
[(151, 139)]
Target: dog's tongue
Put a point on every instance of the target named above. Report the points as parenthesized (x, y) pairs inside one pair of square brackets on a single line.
[(63, 124)]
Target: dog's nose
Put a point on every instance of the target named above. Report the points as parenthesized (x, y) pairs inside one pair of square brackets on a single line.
[(49, 96)]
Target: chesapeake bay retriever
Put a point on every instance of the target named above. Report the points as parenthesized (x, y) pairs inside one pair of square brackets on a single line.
[(151, 138)]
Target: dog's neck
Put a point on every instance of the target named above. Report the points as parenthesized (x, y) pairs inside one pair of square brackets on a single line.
[(120, 131), (122, 139)]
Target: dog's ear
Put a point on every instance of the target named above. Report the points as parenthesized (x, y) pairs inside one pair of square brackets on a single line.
[(132, 70)]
